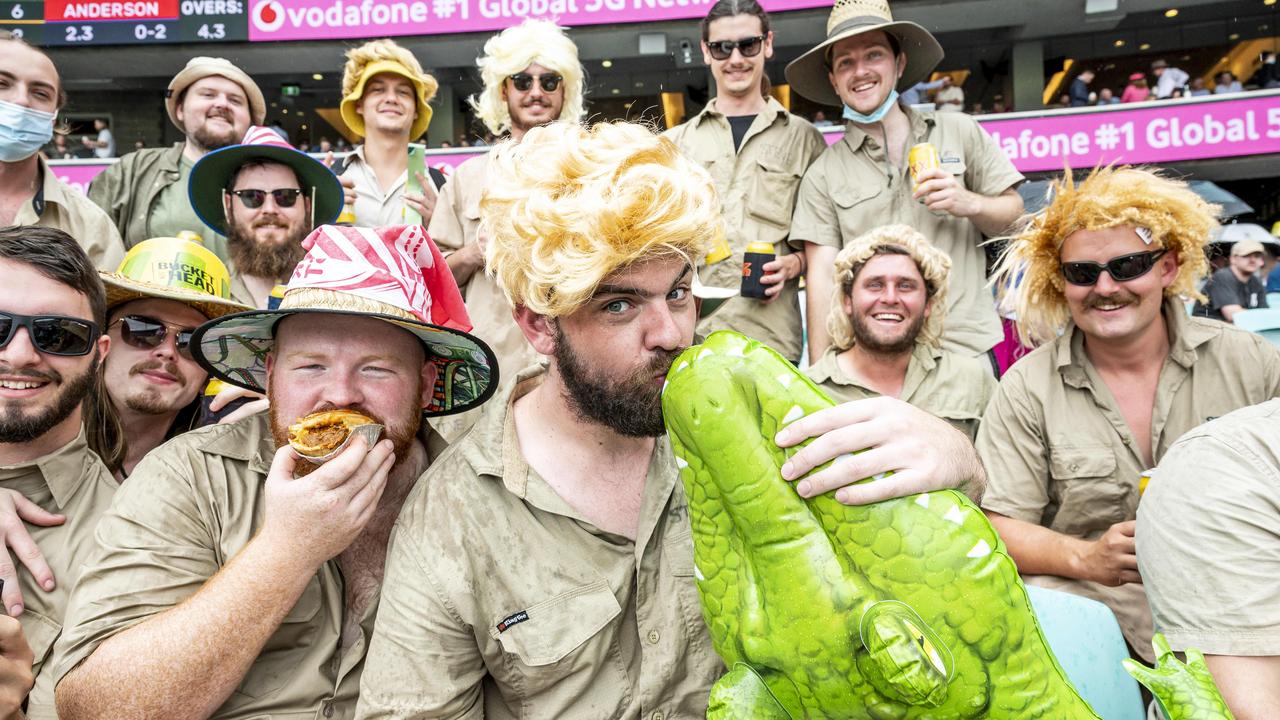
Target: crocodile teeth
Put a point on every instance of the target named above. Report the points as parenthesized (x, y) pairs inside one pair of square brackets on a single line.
[(681, 462), (923, 501), (735, 351), (981, 549), (697, 572), (786, 379), (794, 414), (954, 515), (683, 364)]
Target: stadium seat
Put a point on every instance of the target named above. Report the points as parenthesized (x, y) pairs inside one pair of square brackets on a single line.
[(1086, 639), (1264, 321)]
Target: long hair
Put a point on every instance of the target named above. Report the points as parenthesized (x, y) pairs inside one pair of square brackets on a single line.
[(513, 50)]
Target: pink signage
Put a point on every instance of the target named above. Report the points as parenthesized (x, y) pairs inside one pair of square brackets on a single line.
[(329, 19), (78, 174)]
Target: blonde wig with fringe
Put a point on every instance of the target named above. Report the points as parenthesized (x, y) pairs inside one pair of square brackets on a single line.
[(568, 206), (1029, 275), (516, 48), (934, 266), (358, 58)]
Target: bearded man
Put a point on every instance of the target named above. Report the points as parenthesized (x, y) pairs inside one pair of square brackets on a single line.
[(228, 583)]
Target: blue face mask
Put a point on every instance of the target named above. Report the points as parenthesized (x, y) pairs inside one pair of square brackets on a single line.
[(23, 131), (875, 117)]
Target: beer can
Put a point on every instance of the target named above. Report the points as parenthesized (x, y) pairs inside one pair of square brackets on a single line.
[(1143, 479), (720, 250), (346, 217), (921, 159), (758, 255)]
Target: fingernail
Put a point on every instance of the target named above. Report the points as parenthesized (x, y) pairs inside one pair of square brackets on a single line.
[(787, 469), (803, 488), (842, 497), (15, 610), (48, 584)]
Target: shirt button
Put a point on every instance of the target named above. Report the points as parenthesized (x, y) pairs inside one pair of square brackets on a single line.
[(1074, 467), (654, 636), (327, 709), (657, 715)]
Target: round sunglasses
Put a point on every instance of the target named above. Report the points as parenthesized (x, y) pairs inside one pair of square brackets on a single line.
[(1121, 269), (522, 81), (253, 199), (51, 334), (722, 49), (148, 333)]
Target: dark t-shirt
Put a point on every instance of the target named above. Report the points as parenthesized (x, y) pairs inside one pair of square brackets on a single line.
[(739, 124), (1225, 289)]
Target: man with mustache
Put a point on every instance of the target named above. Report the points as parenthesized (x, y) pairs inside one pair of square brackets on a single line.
[(532, 77), (52, 312), (544, 566), (1122, 372), (266, 197), (212, 102), (228, 582), (886, 323), (162, 292)]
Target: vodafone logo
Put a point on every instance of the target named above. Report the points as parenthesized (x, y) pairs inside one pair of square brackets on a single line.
[(268, 15)]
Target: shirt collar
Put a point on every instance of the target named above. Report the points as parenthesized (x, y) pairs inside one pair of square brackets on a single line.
[(924, 358), (63, 470), (772, 110), (1185, 337), (921, 125)]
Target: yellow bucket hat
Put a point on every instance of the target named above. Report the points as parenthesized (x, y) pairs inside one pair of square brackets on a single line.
[(173, 269), (424, 85)]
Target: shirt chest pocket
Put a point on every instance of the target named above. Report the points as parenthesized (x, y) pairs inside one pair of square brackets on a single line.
[(553, 639), (1090, 498), (771, 195), (859, 208)]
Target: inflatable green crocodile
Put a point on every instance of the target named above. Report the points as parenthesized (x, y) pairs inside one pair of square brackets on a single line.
[(908, 608)]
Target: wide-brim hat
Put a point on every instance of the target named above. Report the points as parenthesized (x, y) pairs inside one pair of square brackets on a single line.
[(173, 269), (203, 67), (424, 90), (210, 174), (396, 275), (807, 74)]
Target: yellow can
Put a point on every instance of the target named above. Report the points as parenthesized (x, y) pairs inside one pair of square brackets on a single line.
[(720, 250), (921, 159), (190, 236)]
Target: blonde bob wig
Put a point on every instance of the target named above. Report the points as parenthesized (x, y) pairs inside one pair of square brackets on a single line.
[(568, 206), (1029, 275), (934, 266), (516, 48)]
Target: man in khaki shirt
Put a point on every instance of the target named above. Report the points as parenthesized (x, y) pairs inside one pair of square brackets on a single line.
[(1076, 422), (863, 181), (30, 194), (1209, 550), (885, 323), (756, 152), (52, 310), (223, 586), (543, 567), (532, 77)]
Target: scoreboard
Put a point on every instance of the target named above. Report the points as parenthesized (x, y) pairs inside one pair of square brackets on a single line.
[(126, 22)]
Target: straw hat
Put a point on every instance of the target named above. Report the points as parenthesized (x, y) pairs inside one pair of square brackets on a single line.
[(808, 73), (203, 67), (210, 174), (393, 274), (424, 89), (173, 269)]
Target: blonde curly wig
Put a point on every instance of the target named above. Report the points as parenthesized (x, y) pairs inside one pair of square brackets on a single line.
[(934, 266), (358, 58), (568, 206), (1029, 275), (513, 50)]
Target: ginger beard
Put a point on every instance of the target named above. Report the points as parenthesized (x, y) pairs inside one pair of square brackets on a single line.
[(402, 429), (19, 426)]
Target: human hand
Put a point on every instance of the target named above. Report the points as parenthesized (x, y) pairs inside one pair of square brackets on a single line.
[(923, 452), (14, 509), (1112, 559), (941, 192), (778, 271), (315, 517), (348, 184), (230, 394), (16, 659)]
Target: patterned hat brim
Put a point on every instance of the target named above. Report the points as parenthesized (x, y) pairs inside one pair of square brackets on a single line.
[(234, 349)]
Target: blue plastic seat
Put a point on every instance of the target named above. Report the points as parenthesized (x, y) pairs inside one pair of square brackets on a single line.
[(1264, 321), (1087, 641)]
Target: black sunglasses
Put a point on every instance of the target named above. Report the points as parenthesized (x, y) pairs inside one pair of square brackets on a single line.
[(547, 81), (749, 47), (51, 334), (148, 333), (1125, 267), (253, 199)]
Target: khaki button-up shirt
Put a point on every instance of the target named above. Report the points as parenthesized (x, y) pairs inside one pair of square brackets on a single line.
[(852, 188), (1209, 536), (455, 223), (951, 386), (757, 184), (188, 508), (375, 207), (501, 601), (1058, 452), (59, 206), (71, 481)]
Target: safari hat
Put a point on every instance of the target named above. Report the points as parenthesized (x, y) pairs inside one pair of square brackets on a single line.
[(424, 86), (209, 176), (173, 269), (394, 274), (808, 73), (203, 67)]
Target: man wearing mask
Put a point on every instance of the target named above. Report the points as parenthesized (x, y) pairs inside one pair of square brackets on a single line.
[(756, 152), (52, 313), (212, 102), (863, 182), (30, 194), (532, 77)]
